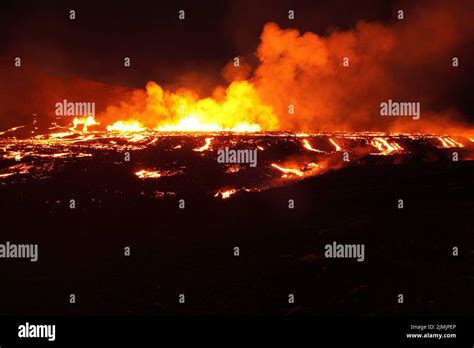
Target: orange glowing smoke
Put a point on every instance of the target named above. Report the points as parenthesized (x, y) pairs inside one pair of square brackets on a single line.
[(306, 71), (395, 59)]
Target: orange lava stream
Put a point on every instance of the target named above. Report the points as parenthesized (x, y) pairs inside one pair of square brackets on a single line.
[(205, 147), (384, 146), (338, 148), (308, 146), (225, 194)]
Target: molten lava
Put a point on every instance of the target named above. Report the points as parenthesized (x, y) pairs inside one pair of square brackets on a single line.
[(385, 146), (148, 174), (447, 142), (224, 194), (205, 147), (289, 173), (338, 148), (308, 146)]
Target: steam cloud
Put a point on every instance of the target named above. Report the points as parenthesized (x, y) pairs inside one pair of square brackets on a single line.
[(408, 60)]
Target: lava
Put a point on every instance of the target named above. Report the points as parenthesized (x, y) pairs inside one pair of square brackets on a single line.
[(338, 148), (447, 142), (289, 173), (288, 170), (384, 146), (308, 146), (192, 124), (205, 147), (46, 155), (238, 108), (11, 130), (148, 174), (225, 193)]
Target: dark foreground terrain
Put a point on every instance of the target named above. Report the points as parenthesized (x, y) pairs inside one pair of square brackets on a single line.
[(190, 251)]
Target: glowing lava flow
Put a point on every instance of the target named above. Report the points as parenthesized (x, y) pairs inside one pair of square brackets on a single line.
[(338, 148), (225, 194), (148, 174), (308, 146), (307, 170), (11, 129), (385, 147), (448, 142), (205, 146)]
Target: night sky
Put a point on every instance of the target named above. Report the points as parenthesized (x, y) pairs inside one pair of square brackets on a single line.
[(161, 46)]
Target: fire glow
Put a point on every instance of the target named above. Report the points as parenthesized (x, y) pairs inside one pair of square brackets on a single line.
[(290, 172), (385, 146), (148, 174)]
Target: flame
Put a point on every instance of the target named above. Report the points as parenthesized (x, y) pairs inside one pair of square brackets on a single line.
[(126, 126), (237, 109), (85, 122), (205, 146), (148, 174), (384, 146)]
